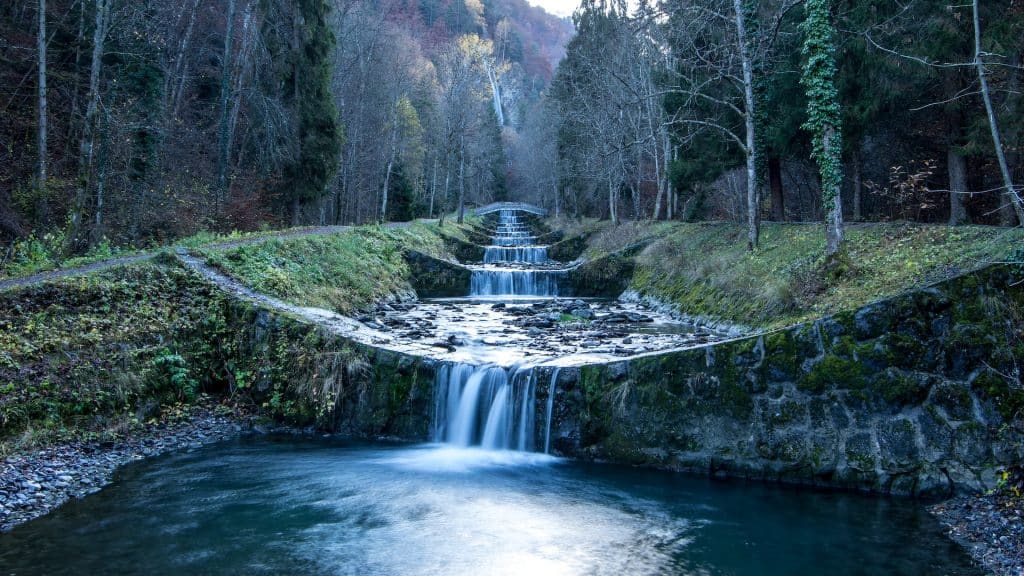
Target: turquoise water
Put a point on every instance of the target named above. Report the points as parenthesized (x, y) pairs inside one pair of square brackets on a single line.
[(303, 506)]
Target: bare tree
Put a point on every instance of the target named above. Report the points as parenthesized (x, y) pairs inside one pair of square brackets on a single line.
[(41, 44), (1010, 192)]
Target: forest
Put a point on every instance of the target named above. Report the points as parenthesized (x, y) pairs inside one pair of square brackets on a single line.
[(132, 123)]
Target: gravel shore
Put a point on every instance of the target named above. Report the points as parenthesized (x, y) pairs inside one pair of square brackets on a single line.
[(35, 483), (990, 527)]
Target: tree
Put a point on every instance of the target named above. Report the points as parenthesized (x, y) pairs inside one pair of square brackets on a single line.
[(318, 135), (1010, 192), (41, 44), (824, 116)]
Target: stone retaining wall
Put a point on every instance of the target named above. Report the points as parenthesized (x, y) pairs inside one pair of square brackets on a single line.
[(905, 396)]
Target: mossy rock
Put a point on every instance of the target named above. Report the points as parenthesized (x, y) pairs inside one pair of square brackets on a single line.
[(833, 372)]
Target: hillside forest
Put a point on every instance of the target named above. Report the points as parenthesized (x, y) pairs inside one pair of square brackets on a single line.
[(129, 123)]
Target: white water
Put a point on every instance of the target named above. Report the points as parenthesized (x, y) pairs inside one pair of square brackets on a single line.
[(550, 406), (504, 282), (513, 244), (486, 406), (518, 254)]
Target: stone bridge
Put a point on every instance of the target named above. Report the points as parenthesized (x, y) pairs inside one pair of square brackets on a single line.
[(520, 206)]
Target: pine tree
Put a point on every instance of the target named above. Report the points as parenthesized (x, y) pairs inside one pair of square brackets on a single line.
[(319, 136)]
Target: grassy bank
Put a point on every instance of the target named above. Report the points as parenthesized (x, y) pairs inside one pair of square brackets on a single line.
[(343, 272), (705, 269), (91, 357)]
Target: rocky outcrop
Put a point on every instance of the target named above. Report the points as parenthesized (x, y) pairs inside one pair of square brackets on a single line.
[(463, 251), (567, 249), (905, 396)]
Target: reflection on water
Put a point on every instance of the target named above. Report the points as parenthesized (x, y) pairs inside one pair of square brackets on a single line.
[(262, 506)]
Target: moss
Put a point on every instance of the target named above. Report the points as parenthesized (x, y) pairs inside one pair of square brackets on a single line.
[(93, 353), (833, 372), (898, 388), (997, 389)]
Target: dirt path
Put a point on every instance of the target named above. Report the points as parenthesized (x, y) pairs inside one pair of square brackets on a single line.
[(136, 258)]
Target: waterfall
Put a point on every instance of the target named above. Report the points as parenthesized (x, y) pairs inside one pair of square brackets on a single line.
[(512, 243), (492, 282), (518, 254), (486, 406), (550, 406)]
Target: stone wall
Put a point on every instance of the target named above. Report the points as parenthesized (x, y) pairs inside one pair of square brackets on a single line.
[(905, 396), (306, 374), (435, 278)]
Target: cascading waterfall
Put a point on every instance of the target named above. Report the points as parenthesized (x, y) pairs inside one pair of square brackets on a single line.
[(490, 406), (517, 254), (513, 244), (514, 283), (487, 406)]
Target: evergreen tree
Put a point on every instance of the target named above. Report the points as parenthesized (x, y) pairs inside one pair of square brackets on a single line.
[(319, 136)]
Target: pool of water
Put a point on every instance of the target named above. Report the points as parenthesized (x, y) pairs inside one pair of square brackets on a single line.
[(303, 506)]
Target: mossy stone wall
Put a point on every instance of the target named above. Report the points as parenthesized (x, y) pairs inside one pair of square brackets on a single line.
[(906, 396), (307, 375)]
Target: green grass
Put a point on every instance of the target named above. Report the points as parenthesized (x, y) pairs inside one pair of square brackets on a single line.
[(344, 272), (705, 268)]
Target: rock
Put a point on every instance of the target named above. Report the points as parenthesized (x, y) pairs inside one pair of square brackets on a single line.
[(584, 313)]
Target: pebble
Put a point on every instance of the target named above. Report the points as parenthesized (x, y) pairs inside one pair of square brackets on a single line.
[(36, 482), (990, 527)]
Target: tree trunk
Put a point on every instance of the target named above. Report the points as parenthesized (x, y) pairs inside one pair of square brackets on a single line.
[(1010, 193), (384, 192), (433, 189), (296, 210), (775, 186), (41, 43), (236, 101), (662, 178), (225, 110), (612, 213), (101, 184), (85, 149), (957, 169), (858, 189), (77, 72), (834, 216), (175, 83), (462, 178), (753, 201)]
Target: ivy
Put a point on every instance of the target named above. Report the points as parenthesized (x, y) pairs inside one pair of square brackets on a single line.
[(823, 111)]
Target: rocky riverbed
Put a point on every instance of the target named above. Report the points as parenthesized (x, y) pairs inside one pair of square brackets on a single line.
[(990, 527), (537, 329), (36, 482)]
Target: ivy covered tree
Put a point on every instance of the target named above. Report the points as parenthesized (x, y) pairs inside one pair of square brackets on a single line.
[(824, 116)]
